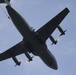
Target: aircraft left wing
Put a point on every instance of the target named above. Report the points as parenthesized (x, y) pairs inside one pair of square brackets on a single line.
[(45, 31), (12, 52)]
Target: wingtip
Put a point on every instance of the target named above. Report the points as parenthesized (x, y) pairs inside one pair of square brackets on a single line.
[(67, 9)]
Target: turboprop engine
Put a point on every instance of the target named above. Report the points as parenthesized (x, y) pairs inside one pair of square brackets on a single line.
[(62, 31), (16, 61), (53, 40)]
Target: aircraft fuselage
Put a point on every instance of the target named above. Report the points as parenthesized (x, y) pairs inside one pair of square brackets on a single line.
[(30, 37)]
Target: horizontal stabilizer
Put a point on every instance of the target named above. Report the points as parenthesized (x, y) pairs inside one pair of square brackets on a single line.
[(4, 1)]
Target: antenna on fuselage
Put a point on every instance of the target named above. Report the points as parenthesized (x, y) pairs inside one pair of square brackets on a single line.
[(5, 12), (8, 3)]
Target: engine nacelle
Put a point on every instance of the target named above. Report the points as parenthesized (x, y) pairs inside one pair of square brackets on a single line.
[(53, 40), (28, 56), (62, 31), (16, 61)]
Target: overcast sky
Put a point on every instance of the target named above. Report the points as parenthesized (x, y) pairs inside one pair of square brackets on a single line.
[(37, 13)]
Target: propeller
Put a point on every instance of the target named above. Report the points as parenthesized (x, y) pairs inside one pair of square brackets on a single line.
[(63, 33)]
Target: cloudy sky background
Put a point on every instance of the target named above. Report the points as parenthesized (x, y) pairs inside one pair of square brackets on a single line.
[(37, 13)]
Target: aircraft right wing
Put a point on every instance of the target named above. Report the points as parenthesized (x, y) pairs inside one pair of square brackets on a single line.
[(45, 31)]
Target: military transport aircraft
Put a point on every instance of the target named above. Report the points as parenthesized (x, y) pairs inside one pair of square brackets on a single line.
[(33, 41)]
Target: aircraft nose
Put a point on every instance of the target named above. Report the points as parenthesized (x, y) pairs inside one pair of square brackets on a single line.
[(54, 65)]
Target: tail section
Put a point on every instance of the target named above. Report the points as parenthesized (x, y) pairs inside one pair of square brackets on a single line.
[(5, 1)]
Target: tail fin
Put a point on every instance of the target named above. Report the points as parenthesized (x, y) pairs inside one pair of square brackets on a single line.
[(4, 1)]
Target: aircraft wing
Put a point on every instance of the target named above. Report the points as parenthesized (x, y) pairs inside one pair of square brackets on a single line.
[(45, 31), (12, 52)]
